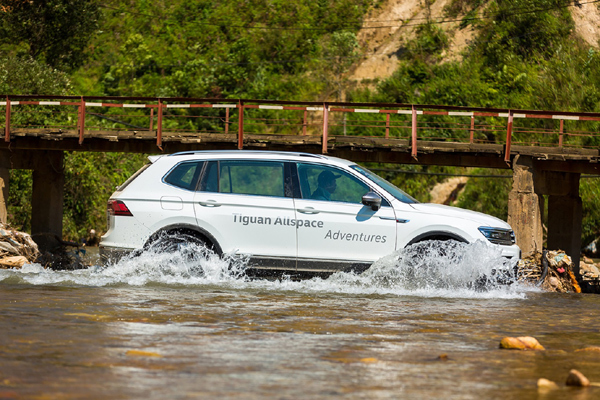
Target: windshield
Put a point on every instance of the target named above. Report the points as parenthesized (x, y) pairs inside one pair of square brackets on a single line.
[(390, 188)]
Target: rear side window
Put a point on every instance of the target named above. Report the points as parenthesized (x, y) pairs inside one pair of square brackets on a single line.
[(261, 178), (184, 175)]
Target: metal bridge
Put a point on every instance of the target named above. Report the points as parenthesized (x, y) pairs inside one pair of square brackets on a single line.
[(547, 150)]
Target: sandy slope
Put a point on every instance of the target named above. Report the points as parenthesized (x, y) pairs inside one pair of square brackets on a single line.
[(395, 21)]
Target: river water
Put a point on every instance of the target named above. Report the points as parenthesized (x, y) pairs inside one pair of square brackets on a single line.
[(169, 326)]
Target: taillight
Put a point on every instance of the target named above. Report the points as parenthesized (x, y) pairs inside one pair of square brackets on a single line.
[(117, 207)]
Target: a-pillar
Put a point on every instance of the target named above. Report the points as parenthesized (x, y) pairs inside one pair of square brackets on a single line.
[(526, 207), (47, 199), (565, 214)]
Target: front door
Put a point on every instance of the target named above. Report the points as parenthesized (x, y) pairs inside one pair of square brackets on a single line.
[(335, 230)]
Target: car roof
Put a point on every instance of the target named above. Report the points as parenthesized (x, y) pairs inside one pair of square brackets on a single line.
[(252, 154)]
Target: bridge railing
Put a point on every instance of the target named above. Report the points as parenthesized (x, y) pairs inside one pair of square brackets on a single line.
[(188, 119)]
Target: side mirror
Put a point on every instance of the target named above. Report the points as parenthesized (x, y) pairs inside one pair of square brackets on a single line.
[(372, 200)]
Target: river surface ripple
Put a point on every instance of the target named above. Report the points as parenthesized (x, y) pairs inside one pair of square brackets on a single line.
[(156, 328)]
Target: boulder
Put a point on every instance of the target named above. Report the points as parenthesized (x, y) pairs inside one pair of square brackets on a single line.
[(595, 349), (576, 378), (521, 343), (546, 384)]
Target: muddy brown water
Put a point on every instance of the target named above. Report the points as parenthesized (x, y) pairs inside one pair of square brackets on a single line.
[(161, 327)]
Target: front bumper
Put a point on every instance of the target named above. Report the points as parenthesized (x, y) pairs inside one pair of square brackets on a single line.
[(513, 252)]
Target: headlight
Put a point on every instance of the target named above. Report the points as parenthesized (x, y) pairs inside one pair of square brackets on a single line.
[(498, 235)]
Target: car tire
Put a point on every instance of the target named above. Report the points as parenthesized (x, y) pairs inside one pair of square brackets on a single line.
[(173, 241)]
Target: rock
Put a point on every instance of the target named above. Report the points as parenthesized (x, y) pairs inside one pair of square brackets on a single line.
[(546, 384), (369, 360), (521, 343), (141, 353), (590, 349), (576, 378), (13, 262)]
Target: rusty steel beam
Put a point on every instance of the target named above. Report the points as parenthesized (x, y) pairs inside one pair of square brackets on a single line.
[(472, 130), (509, 128), (387, 125), (479, 110), (325, 127), (81, 120), (227, 121), (240, 142), (414, 133), (159, 124), (560, 136)]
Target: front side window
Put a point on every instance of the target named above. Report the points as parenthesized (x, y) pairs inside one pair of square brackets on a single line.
[(319, 182), (391, 189), (184, 175), (261, 178)]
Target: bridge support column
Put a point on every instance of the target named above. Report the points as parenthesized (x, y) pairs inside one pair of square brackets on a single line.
[(47, 199), (526, 207)]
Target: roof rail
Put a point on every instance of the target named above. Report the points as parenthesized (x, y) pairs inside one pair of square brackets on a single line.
[(187, 153)]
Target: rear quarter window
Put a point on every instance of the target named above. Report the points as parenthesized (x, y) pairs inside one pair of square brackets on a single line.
[(184, 175)]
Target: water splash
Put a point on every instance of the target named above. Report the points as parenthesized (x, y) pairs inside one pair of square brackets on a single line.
[(427, 269), (439, 269)]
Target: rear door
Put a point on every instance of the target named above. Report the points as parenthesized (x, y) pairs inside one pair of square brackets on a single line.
[(335, 230), (247, 206)]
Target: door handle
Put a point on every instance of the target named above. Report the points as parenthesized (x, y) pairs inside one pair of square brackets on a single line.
[(209, 203), (308, 210)]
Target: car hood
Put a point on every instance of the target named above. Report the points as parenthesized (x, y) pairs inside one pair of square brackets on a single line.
[(455, 212)]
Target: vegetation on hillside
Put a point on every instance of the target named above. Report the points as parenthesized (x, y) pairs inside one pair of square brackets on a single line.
[(525, 55)]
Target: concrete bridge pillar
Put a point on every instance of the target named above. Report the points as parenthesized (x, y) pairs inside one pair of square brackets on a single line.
[(47, 198), (526, 209)]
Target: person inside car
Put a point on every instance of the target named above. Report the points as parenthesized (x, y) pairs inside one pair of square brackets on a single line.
[(326, 186)]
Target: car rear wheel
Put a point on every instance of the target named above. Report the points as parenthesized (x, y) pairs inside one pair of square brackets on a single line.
[(182, 241)]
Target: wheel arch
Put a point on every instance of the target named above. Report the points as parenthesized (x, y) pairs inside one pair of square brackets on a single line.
[(188, 229), (437, 235)]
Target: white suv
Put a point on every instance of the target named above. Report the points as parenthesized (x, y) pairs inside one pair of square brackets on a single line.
[(286, 211)]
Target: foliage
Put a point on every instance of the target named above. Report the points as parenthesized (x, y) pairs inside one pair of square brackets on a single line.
[(89, 179), (19, 199), (487, 195), (25, 75), (202, 48), (589, 190), (53, 31)]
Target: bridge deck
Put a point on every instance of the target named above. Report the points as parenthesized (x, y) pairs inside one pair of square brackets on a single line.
[(367, 149)]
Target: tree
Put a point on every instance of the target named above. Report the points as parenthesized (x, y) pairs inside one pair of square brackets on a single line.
[(53, 31)]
